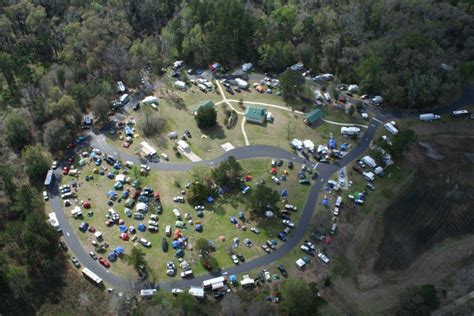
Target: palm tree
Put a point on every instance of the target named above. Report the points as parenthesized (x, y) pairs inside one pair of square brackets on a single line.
[(136, 259)]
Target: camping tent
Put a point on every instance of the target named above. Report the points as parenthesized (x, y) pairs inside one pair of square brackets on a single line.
[(199, 227), (141, 227), (284, 193), (176, 244), (180, 253), (125, 194), (210, 199), (141, 207), (119, 250), (325, 202), (332, 143), (112, 256), (124, 236)]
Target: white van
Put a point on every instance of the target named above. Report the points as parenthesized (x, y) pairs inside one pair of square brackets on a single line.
[(177, 213), (168, 230)]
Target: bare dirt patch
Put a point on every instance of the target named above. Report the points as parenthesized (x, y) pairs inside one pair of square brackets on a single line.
[(424, 236)]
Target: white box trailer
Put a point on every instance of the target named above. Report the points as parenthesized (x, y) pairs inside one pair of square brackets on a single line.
[(92, 276), (369, 161), (428, 117), (350, 130), (209, 283), (147, 149)]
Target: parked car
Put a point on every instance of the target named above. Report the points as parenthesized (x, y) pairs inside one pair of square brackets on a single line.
[(255, 230), (282, 270), (371, 186), (276, 180), (235, 260), (178, 199), (248, 242), (188, 133), (104, 262), (45, 196), (63, 245), (290, 165), (93, 255), (282, 236), (54, 166), (144, 242), (291, 207), (267, 275), (266, 248), (176, 291), (323, 257), (288, 223), (241, 257), (75, 262)]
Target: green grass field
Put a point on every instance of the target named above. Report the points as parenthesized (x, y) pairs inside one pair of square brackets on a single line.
[(207, 143), (216, 219)]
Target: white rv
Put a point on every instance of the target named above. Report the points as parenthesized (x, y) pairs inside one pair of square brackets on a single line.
[(391, 128), (428, 117), (350, 131)]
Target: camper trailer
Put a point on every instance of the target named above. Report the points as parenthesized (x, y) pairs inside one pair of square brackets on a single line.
[(428, 117)]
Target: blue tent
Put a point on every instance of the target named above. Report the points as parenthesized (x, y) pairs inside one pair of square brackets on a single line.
[(210, 199), (112, 256), (176, 244), (110, 203), (110, 175), (141, 227), (198, 227), (284, 193), (117, 165), (233, 220), (302, 175), (344, 147), (332, 143), (325, 202), (125, 194), (123, 228), (119, 250), (241, 215), (233, 278), (283, 177)]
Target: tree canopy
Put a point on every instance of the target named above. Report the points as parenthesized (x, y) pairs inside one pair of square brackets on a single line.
[(206, 117), (228, 174), (262, 198)]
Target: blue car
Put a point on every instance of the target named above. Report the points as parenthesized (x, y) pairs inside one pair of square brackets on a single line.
[(282, 236), (98, 162), (84, 226)]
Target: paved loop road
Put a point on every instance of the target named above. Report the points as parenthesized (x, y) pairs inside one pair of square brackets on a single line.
[(255, 151)]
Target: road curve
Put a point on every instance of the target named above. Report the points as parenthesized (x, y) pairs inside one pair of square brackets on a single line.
[(254, 151)]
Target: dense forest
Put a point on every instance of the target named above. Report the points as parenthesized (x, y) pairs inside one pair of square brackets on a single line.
[(60, 58)]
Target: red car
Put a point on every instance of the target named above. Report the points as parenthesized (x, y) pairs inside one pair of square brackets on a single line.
[(104, 262), (70, 160), (91, 229), (65, 170)]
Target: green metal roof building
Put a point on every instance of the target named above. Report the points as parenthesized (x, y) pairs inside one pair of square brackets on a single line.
[(202, 105), (313, 116), (255, 114)]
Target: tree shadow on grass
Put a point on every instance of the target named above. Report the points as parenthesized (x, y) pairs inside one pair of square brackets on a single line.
[(217, 132)]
